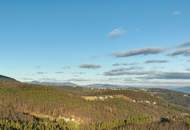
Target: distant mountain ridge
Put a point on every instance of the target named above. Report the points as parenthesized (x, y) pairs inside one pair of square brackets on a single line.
[(5, 78), (106, 86), (183, 89), (59, 84)]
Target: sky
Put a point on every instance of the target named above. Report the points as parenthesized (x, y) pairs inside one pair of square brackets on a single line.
[(128, 42)]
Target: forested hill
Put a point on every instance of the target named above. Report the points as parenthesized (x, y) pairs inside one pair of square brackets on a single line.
[(29, 106)]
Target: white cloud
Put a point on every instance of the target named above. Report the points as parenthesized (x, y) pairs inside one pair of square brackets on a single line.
[(117, 32), (176, 12)]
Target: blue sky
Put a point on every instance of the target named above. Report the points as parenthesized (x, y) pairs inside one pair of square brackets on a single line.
[(77, 40)]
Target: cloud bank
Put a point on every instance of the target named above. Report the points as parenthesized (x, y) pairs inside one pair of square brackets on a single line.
[(90, 66), (181, 52), (126, 71), (170, 75), (136, 52), (155, 61)]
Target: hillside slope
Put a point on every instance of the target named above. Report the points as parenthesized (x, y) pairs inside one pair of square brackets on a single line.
[(5, 78), (34, 106)]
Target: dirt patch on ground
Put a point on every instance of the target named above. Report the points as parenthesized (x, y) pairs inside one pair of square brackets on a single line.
[(105, 97), (52, 118)]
